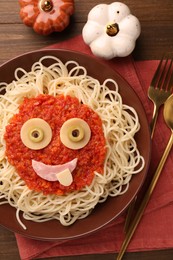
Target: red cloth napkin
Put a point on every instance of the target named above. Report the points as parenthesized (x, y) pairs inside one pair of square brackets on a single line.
[(155, 230)]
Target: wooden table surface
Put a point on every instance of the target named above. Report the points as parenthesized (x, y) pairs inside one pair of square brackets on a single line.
[(156, 19)]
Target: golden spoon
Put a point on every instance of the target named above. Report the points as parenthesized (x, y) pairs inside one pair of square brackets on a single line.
[(168, 116)]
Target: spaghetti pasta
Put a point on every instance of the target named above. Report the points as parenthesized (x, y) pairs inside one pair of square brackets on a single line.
[(120, 124)]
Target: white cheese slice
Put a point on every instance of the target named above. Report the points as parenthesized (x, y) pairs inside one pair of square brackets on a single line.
[(65, 177)]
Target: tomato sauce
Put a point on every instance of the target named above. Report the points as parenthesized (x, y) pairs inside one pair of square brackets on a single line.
[(55, 111)]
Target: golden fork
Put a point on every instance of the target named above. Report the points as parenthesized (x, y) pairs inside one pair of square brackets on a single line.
[(168, 112), (159, 90)]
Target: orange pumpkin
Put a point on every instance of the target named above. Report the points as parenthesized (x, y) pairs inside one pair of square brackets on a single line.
[(46, 16)]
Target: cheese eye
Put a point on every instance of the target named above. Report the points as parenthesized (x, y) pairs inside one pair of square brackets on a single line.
[(75, 133), (36, 133)]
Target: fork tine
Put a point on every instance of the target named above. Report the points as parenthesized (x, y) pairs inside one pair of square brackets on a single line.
[(162, 75), (157, 74), (170, 84), (167, 78)]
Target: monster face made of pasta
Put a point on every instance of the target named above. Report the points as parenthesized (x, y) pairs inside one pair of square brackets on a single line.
[(67, 142)]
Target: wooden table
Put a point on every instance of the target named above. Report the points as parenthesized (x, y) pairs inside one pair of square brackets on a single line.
[(156, 19)]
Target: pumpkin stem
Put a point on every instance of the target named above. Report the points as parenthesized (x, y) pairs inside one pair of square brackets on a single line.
[(46, 5), (112, 29)]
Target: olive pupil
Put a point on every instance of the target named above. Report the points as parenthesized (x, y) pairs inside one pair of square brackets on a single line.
[(35, 134), (75, 133)]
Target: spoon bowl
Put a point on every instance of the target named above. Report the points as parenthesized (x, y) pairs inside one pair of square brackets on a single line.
[(168, 112)]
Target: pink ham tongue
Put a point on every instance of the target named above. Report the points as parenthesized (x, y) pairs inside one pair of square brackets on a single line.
[(50, 172)]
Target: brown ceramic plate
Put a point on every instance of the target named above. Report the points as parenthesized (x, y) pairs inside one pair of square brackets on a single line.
[(113, 207)]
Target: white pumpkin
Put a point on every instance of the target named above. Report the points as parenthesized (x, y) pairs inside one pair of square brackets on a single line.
[(111, 30)]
